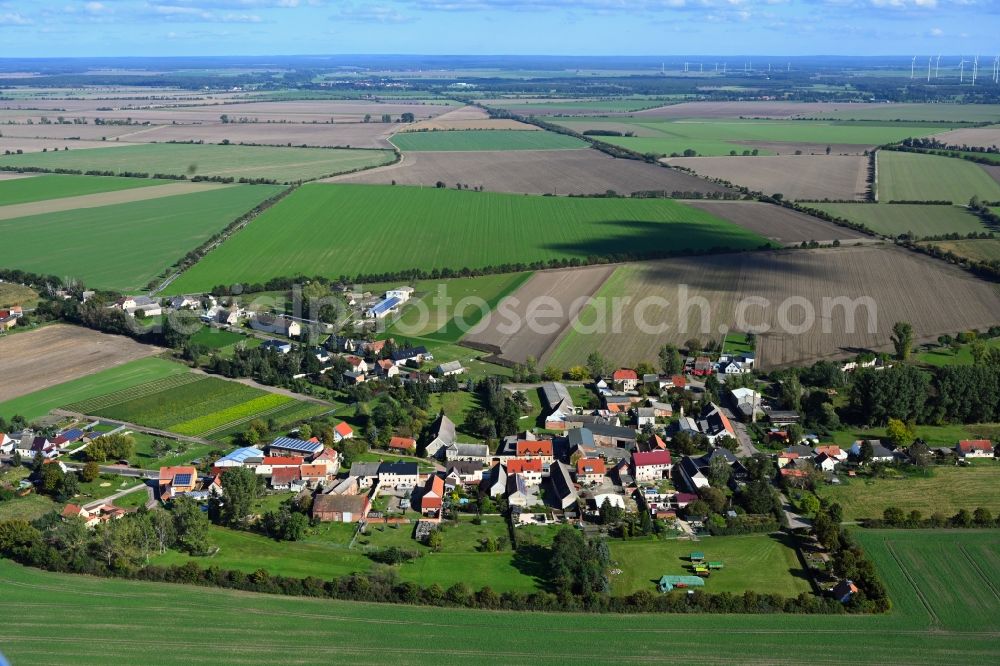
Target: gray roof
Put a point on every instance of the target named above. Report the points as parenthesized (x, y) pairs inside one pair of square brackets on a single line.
[(400, 468), (604, 430), (445, 430), (364, 469), (299, 445), (472, 450), (562, 484), (556, 393), (580, 437)]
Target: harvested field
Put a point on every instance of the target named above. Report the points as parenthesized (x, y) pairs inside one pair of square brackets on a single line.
[(485, 140), (806, 148), (56, 186), (571, 287), (982, 137), (14, 144), (795, 176), (104, 199), (992, 171), (919, 177), (13, 175), (467, 118), (745, 110), (70, 132), (533, 172), (345, 135), (35, 360), (780, 224), (934, 297)]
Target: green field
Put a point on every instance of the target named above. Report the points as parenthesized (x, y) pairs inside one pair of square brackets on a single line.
[(217, 338), (186, 404), (918, 177), (524, 106), (760, 562), (914, 219), (947, 490), (44, 187), (285, 165), (463, 140), (29, 507), (942, 435), (156, 233), (962, 628), (721, 137), (407, 227), (122, 377), (980, 249), (942, 356), (439, 307), (971, 113)]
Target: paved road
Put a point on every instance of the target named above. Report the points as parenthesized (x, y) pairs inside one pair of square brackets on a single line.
[(112, 498), (795, 521)]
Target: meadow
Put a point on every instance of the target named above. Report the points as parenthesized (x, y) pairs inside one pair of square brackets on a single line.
[(917, 220), (981, 249), (437, 228), (188, 405), (122, 377), (58, 186), (946, 489), (75, 243), (286, 165), (962, 628), (962, 355), (918, 177), (466, 140)]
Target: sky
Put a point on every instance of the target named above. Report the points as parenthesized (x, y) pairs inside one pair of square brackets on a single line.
[(41, 28)]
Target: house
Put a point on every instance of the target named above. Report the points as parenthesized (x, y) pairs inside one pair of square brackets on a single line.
[(563, 495), (402, 356), (528, 468), (517, 491), (398, 474), (468, 452), (825, 462), (974, 448), (185, 302), (365, 472), (702, 366), (844, 590), (269, 323), (383, 308), (150, 307), (6, 443), (402, 293), (404, 444), (73, 511), (290, 445), (341, 508), (693, 471), (651, 466), (356, 363), (173, 481), (617, 404), (879, 452), (662, 410), (659, 382), (342, 431), (714, 424), (464, 472), (625, 379), (449, 369), (746, 402), (286, 478), (783, 417), (386, 368), (676, 382), (558, 405), (495, 482), (580, 438), (277, 346), (920, 454), (612, 436), (269, 464), (801, 451), (645, 416), (354, 377), (247, 456), (831, 450), (432, 500), (313, 475), (590, 471), (330, 459), (230, 317), (444, 435), (535, 449), (785, 458)]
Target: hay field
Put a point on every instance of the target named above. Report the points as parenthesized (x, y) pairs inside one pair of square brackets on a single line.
[(795, 176), (935, 297), (975, 250), (482, 140), (781, 225), (533, 172), (914, 219), (983, 137), (918, 177), (35, 360), (408, 227), (125, 245), (281, 164), (970, 113), (570, 287), (467, 118)]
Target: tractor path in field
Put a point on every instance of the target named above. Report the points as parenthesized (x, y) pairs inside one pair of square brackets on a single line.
[(102, 199)]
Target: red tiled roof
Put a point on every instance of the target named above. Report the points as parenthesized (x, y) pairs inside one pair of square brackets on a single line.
[(343, 429), (71, 510), (651, 458), (679, 381), (435, 485), (590, 466), (312, 470), (624, 373), (831, 450), (327, 454), (405, 443), (660, 444), (791, 471), (167, 474), (284, 461), (285, 475), (968, 445), (519, 466), (534, 448)]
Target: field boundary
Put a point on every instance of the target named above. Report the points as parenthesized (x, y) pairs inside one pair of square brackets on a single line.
[(909, 579), (979, 570)]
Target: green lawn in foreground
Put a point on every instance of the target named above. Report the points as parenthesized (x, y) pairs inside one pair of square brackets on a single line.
[(898, 219), (463, 140), (128, 375), (918, 177), (75, 243), (58, 186), (285, 165), (948, 489), (962, 629), (942, 356), (409, 227)]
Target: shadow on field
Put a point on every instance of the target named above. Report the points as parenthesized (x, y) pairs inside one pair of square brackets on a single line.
[(532, 560), (789, 542)]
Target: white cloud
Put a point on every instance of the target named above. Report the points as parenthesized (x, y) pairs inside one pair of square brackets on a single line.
[(14, 18), (372, 14)]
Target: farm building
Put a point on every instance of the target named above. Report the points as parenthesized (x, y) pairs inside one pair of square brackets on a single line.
[(558, 405), (651, 466), (286, 445), (564, 495), (975, 448), (383, 308), (341, 508), (668, 583)]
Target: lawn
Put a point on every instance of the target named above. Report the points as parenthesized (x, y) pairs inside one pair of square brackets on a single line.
[(963, 629), (286, 165), (980, 249), (722, 137), (463, 140), (217, 338), (947, 490), (44, 187), (12, 293), (120, 378), (918, 177), (408, 227), (944, 435), (444, 310), (942, 356), (456, 406), (916, 220), (760, 562), (160, 231), (28, 507)]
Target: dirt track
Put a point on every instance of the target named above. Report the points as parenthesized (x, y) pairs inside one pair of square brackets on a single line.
[(104, 199), (34, 360), (779, 224), (533, 172), (795, 176)]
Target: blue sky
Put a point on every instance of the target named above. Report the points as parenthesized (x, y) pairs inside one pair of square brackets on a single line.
[(584, 27)]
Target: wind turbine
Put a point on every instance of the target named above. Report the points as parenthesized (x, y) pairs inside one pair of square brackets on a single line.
[(929, 69), (913, 63), (975, 69), (937, 66), (996, 69), (961, 71)]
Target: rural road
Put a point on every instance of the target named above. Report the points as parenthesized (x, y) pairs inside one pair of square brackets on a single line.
[(133, 426), (112, 498), (795, 521)]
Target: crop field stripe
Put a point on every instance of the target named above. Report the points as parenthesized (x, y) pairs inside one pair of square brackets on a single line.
[(284, 415), (44, 187), (979, 570), (916, 588), (244, 412), (119, 397)]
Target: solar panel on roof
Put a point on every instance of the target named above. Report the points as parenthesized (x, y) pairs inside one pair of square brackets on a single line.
[(182, 479)]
